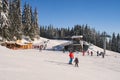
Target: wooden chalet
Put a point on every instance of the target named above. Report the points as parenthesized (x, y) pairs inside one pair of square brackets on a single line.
[(18, 45)]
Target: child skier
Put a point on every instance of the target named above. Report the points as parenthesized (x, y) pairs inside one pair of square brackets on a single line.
[(76, 62)]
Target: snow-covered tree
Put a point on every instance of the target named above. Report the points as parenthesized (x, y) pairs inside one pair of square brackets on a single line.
[(14, 24), (114, 43), (26, 19), (1, 22), (16, 19), (35, 22), (118, 42), (5, 6), (4, 19), (0, 5)]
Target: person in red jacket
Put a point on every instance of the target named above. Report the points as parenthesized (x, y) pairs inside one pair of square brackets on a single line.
[(71, 55)]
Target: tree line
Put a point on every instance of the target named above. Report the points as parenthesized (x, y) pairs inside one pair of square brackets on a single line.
[(19, 22), (89, 34)]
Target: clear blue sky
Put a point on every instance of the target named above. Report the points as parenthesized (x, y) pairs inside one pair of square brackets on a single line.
[(103, 15)]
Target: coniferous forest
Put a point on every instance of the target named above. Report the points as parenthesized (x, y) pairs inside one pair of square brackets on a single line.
[(16, 22), (89, 34)]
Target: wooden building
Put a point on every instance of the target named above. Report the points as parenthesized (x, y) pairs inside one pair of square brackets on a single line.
[(77, 43), (18, 45)]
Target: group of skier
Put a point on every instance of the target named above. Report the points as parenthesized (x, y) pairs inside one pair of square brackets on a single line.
[(98, 53), (76, 60), (71, 55)]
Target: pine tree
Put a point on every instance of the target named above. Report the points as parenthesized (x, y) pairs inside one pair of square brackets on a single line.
[(1, 5), (5, 6), (72, 32), (57, 35), (4, 20), (26, 19), (68, 32), (62, 34), (16, 19), (86, 34), (98, 38), (1, 21), (118, 42), (36, 26), (114, 42), (77, 30), (110, 43), (32, 29)]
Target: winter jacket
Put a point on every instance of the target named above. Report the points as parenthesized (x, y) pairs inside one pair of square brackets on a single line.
[(71, 55), (76, 60)]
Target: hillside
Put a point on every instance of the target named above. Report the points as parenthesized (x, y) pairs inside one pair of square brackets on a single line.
[(32, 64)]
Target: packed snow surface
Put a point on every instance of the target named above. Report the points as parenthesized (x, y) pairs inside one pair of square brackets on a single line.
[(32, 64)]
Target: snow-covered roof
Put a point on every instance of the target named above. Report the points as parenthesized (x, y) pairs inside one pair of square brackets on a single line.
[(21, 44), (24, 41), (77, 36)]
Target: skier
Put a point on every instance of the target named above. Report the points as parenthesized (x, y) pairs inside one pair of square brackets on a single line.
[(97, 53), (76, 62), (103, 54), (91, 53), (88, 52), (83, 53), (40, 48), (71, 55)]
